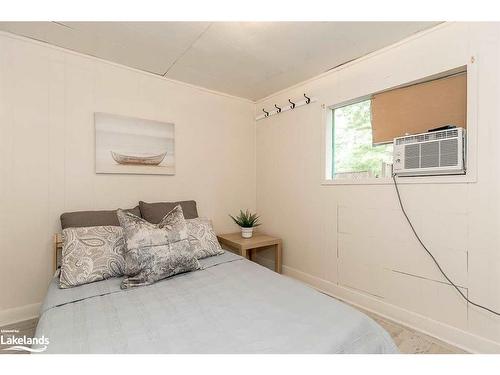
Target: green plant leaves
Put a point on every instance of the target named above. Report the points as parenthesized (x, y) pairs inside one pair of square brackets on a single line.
[(246, 219)]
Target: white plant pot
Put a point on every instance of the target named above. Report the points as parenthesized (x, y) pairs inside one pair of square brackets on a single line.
[(246, 232)]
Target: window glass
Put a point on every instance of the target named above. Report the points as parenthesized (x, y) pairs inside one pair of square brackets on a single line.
[(354, 155)]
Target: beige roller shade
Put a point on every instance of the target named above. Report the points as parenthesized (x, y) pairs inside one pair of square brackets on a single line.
[(420, 107)]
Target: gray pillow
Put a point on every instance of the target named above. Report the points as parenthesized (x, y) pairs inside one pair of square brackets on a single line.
[(155, 252), (93, 218), (155, 212), (91, 254), (202, 238)]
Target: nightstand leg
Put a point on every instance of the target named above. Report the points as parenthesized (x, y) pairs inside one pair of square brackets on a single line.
[(277, 257), (250, 254), (244, 253)]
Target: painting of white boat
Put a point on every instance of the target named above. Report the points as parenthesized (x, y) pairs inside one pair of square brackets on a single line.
[(138, 159), (132, 145)]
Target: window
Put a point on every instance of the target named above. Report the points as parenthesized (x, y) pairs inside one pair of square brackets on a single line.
[(361, 133), (354, 155)]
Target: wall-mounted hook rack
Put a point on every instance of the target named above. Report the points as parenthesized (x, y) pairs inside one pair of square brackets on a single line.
[(293, 105)]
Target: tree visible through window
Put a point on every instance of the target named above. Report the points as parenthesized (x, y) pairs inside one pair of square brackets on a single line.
[(353, 151)]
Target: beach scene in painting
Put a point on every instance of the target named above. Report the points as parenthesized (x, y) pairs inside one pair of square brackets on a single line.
[(132, 145)]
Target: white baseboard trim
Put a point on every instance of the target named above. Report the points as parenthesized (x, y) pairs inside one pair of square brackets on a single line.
[(19, 314), (451, 335)]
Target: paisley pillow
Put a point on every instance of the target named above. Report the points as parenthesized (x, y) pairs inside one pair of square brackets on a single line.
[(202, 238), (155, 252), (91, 254)]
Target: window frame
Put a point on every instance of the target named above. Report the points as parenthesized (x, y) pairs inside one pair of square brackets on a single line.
[(471, 136)]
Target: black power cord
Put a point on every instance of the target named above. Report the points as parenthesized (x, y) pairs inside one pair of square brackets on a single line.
[(432, 256)]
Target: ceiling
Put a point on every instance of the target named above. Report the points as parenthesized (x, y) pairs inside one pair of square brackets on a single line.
[(246, 59)]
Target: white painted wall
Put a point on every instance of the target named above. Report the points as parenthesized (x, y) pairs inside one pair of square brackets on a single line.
[(352, 240), (47, 100)]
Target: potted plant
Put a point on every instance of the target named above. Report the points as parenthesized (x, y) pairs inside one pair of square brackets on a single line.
[(246, 221)]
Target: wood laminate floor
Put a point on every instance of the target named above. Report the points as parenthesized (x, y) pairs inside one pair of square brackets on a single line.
[(410, 341)]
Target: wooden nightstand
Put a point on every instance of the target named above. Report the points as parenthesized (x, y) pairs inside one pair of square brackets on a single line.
[(247, 246)]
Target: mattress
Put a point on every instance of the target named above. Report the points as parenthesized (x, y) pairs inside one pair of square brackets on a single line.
[(231, 305)]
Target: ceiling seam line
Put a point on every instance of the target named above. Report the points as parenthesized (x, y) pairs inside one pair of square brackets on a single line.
[(187, 49)]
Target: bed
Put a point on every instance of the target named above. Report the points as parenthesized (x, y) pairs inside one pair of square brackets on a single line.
[(231, 305)]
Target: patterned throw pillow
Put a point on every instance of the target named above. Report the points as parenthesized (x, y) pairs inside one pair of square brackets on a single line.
[(91, 254), (202, 238), (155, 252)]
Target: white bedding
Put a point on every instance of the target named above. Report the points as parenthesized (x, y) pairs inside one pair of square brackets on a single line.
[(232, 305)]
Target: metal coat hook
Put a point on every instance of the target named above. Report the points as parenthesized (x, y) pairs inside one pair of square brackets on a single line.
[(297, 103)]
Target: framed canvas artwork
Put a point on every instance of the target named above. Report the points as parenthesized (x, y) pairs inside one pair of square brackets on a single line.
[(132, 145)]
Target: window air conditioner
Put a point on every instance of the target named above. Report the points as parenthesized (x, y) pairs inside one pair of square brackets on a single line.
[(430, 154)]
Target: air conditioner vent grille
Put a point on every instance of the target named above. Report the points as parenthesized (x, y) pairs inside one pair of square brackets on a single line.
[(412, 156), (449, 155), (432, 136), (430, 154)]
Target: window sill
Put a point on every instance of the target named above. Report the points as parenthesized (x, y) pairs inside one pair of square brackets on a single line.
[(462, 179)]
